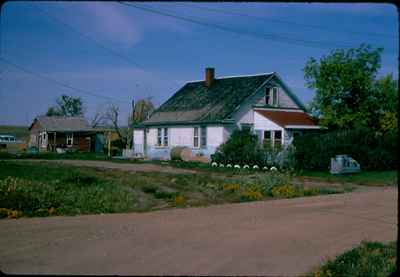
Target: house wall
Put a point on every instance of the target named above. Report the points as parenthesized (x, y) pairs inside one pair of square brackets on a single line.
[(179, 136), (245, 114)]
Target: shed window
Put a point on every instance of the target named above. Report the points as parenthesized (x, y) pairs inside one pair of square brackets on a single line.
[(159, 136), (203, 136), (70, 139), (165, 136), (196, 137)]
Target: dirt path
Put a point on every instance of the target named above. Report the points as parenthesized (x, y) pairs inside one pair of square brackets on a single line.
[(280, 237), (115, 165)]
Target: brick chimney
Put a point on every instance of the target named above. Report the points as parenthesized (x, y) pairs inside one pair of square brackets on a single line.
[(209, 76)]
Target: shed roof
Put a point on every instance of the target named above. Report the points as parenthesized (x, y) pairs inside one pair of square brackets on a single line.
[(63, 123), (288, 118)]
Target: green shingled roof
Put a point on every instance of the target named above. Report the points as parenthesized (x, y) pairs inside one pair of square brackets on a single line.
[(195, 102)]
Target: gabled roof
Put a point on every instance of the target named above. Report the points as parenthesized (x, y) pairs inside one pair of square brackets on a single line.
[(287, 119), (62, 123), (195, 102)]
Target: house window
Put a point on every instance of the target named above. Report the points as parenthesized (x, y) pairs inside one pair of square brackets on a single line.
[(196, 137), (267, 138), (159, 136), (274, 96), (267, 93), (70, 139), (203, 136), (165, 136), (277, 138)]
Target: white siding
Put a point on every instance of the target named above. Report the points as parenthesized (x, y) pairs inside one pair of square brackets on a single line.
[(215, 136), (138, 139), (181, 136), (262, 123)]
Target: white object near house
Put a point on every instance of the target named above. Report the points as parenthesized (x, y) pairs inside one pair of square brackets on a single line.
[(237, 166), (202, 115), (229, 165), (274, 168), (246, 166), (265, 168), (256, 167), (214, 164), (343, 164), (221, 165)]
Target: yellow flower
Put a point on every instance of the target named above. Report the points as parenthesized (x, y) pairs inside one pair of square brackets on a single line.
[(179, 200)]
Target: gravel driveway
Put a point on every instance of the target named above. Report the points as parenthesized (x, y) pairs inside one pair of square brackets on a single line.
[(279, 237)]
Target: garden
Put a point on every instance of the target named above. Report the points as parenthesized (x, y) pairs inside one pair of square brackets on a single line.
[(29, 189)]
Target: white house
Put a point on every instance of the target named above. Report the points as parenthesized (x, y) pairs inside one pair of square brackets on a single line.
[(202, 114)]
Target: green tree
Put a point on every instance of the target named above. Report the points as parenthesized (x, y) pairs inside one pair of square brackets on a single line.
[(386, 89), (66, 106), (344, 81)]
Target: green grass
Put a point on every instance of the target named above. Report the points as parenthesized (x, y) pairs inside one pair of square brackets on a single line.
[(368, 259), (369, 178), (21, 132), (35, 189)]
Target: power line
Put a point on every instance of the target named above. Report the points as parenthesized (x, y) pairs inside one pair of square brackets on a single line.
[(58, 82), (273, 37), (290, 22), (122, 57)]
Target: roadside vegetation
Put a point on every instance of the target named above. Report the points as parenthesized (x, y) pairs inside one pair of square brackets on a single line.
[(33, 189), (368, 259), (364, 178)]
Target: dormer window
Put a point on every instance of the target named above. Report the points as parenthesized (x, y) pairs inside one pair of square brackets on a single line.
[(271, 96)]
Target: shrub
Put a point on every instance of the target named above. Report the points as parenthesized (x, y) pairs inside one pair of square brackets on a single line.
[(374, 151), (241, 148), (149, 189)]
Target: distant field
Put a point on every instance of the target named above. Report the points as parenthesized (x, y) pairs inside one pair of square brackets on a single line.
[(21, 132)]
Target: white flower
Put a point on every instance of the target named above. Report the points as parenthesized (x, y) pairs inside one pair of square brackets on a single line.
[(245, 166), (274, 168), (228, 165), (214, 164), (221, 165), (237, 166), (256, 167), (265, 168)]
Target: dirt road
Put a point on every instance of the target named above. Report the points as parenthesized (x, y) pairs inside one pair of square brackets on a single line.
[(133, 167), (279, 237)]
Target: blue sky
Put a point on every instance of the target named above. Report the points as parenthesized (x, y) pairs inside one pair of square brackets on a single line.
[(169, 51)]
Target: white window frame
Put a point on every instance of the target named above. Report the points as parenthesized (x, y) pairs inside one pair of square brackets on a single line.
[(196, 137), (43, 136), (274, 100), (203, 137), (69, 137), (281, 139), (165, 137), (159, 137)]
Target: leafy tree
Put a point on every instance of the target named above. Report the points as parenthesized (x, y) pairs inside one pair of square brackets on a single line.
[(66, 106), (346, 94)]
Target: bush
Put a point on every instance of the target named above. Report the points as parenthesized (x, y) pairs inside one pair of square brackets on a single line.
[(374, 151), (241, 148)]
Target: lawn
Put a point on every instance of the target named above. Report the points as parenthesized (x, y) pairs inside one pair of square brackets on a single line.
[(368, 259), (42, 189), (369, 178)]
